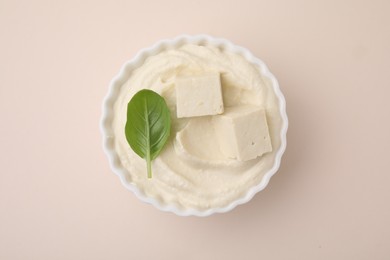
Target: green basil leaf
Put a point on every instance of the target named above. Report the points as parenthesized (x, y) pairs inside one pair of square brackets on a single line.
[(148, 125)]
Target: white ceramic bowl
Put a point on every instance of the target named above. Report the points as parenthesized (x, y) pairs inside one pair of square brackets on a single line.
[(119, 80)]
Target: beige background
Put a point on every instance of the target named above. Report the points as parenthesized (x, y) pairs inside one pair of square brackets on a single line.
[(329, 200)]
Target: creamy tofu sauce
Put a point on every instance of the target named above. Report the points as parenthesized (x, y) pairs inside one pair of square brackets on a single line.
[(191, 172)]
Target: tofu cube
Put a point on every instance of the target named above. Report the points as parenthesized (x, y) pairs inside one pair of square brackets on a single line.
[(199, 95), (242, 132)]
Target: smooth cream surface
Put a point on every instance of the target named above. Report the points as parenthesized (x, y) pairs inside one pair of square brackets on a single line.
[(191, 172)]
